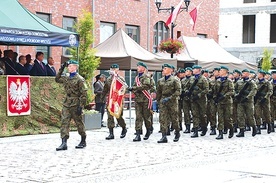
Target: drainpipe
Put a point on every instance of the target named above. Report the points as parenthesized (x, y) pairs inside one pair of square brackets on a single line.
[(93, 13), (148, 29)]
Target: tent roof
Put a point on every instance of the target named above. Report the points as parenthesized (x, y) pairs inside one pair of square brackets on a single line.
[(18, 26), (210, 54), (121, 49)]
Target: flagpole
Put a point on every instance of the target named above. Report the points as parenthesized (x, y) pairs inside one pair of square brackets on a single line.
[(130, 99), (172, 26)]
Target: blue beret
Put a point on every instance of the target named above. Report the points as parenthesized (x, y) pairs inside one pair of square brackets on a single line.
[(237, 71), (142, 64), (72, 62), (189, 69), (196, 67), (168, 65), (245, 70), (224, 67), (114, 66)]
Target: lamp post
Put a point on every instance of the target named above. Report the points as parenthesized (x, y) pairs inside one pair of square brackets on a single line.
[(158, 5)]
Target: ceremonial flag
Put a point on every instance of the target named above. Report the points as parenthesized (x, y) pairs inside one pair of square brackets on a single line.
[(18, 95), (193, 15), (174, 14), (116, 97)]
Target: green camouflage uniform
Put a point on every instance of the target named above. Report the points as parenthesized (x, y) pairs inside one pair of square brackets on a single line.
[(211, 107), (169, 110), (186, 101), (199, 100), (223, 93), (273, 101), (143, 113), (245, 107), (76, 94), (110, 118), (262, 101), (235, 107)]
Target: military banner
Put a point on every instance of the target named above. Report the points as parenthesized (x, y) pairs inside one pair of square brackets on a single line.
[(116, 97), (18, 95)]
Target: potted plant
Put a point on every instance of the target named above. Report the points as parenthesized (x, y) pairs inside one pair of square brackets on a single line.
[(171, 46)]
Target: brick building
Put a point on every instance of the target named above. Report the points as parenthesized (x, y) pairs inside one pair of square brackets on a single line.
[(138, 18)]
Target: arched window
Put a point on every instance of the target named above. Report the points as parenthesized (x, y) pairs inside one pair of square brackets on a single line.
[(160, 32)]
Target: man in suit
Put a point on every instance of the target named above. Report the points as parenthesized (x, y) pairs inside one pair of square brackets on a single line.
[(20, 66), (39, 68), (98, 90), (9, 64), (51, 71)]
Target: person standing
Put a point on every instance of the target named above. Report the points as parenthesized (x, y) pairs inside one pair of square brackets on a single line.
[(75, 100), (9, 63), (50, 67), (237, 77), (19, 67), (114, 70), (180, 75), (167, 95), (262, 101), (100, 102), (198, 88), (245, 90), (39, 68), (143, 101), (223, 93), (273, 99)]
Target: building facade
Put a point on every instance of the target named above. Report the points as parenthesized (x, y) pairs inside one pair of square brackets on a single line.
[(138, 18), (247, 27)]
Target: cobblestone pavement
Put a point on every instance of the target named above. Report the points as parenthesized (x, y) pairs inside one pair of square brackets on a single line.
[(33, 158)]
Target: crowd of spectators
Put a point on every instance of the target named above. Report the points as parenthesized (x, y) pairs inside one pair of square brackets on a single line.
[(11, 64)]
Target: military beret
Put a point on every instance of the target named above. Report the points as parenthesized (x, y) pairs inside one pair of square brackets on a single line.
[(261, 71), (252, 72), (224, 67), (189, 69), (114, 66), (237, 71), (196, 67), (181, 71), (230, 72), (206, 71), (72, 62), (273, 72), (268, 73), (245, 70), (142, 64), (168, 66), (216, 69)]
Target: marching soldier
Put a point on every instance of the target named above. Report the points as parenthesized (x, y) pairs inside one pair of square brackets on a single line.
[(75, 100), (167, 95), (180, 76), (223, 92), (198, 88), (262, 102), (114, 70), (245, 90), (273, 99), (186, 100), (237, 77), (143, 101)]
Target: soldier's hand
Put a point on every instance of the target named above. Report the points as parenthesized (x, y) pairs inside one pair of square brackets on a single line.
[(79, 110), (165, 100)]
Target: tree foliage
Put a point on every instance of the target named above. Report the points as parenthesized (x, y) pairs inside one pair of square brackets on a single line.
[(266, 63)]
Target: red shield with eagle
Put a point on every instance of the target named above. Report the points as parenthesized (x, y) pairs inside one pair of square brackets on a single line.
[(18, 95)]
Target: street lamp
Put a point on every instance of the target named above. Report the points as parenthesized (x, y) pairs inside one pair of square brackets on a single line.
[(158, 4)]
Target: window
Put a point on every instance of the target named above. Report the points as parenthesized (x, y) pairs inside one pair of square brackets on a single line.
[(202, 35), (44, 49), (249, 1), (106, 30), (68, 24), (273, 0), (133, 32), (248, 29), (160, 32), (273, 28)]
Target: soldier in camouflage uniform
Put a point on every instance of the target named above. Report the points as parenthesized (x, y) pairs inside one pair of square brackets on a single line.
[(245, 90), (273, 99), (75, 100), (211, 107), (237, 77), (114, 69), (180, 76), (223, 93), (167, 95), (143, 101), (262, 102), (198, 89)]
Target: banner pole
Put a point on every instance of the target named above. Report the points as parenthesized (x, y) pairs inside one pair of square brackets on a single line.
[(130, 98)]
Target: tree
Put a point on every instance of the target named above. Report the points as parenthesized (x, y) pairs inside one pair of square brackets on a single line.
[(266, 63), (88, 63)]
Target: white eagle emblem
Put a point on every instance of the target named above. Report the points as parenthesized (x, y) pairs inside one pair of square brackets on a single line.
[(18, 94)]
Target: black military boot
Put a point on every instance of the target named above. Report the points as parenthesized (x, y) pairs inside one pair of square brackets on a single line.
[(171, 128), (177, 136), (187, 129), (111, 134), (141, 132), (199, 129), (247, 128), (224, 131), (254, 131), (258, 129), (263, 126), (123, 133), (163, 139), (268, 128), (204, 130), (231, 133), (63, 145), (180, 126), (137, 137), (241, 133), (151, 129), (220, 135), (235, 128), (82, 143), (213, 131), (195, 133), (272, 127), (146, 137), (168, 131)]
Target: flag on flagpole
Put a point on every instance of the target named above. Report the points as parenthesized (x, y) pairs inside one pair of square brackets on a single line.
[(174, 14), (193, 15)]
